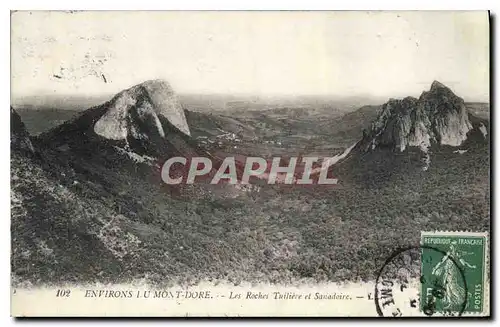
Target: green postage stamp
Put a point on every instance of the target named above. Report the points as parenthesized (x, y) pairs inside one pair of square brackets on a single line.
[(454, 273)]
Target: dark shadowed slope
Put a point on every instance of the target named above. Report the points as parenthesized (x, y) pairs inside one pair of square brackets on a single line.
[(75, 219), (19, 136)]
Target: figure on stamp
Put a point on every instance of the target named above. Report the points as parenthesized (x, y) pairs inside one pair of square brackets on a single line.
[(449, 275)]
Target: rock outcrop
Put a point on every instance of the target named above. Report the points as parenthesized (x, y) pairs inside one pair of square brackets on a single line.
[(146, 119), (438, 116), (138, 111)]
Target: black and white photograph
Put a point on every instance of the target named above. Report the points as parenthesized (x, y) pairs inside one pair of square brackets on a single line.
[(250, 163)]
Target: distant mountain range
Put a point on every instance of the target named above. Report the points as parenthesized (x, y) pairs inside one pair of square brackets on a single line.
[(148, 122)]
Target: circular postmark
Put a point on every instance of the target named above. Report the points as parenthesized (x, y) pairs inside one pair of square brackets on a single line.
[(411, 283)]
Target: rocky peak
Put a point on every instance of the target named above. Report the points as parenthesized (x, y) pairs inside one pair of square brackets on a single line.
[(436, 85), (139, 111), (146, 119), (438, 116)]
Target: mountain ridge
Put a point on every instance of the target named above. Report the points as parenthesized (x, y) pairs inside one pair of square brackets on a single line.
[(146, 119)]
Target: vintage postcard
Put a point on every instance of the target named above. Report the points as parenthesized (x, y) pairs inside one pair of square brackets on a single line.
[(221, 164)]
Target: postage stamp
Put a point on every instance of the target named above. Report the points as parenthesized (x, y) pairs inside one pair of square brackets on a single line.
[(453, 272)]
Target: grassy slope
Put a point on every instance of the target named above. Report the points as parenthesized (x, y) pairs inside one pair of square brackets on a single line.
[(99, 230), (385, 200)]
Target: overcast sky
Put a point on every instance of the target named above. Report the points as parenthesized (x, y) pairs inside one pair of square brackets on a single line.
[(288, 53)]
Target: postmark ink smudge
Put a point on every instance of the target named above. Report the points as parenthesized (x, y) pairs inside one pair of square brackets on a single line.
[(400, 276)]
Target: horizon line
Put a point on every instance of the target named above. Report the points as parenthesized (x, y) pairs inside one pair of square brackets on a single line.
[(384, 98)]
